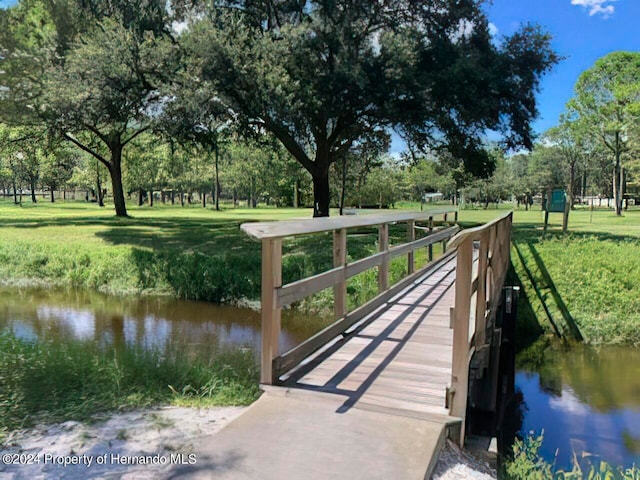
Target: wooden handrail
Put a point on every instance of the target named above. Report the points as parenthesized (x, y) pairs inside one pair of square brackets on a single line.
[(288, 228), (275, 295), (293, 292), (478, 285), (476, 232)]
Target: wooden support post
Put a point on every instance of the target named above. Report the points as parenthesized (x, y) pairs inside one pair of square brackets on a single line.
[(546, 221), (411, 236), (481, 299), (444, 242), (271, 281), (340, 260), (460, 361), (383, 246), (430, 225)]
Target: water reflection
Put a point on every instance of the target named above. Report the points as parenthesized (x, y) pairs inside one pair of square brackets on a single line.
[(587, 401), (149, 322)]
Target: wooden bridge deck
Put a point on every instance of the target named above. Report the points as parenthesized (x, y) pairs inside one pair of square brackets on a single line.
[(399, 358), (371, 405)]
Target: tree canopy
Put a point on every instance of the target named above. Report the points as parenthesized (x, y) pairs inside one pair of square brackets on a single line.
[(607, 103), (90, 72), (324, 76)]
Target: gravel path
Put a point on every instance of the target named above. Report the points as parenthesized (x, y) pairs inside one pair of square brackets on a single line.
[(456, 464)]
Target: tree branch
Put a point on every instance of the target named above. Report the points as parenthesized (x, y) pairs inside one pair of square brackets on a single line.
[(142, 130), (90, 151), (290, 144)]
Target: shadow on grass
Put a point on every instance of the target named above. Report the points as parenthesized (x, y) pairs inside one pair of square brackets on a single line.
[(526, 241)]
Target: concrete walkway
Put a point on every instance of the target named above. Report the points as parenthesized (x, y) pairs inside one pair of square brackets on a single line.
[(294, 434)]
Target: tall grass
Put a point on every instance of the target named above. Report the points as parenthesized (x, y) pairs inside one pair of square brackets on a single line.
[(596, 277), (57, 381), (527, 464)]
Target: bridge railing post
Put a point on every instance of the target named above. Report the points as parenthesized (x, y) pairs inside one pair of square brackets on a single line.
[(460, 361), (411, 257), (444, 242), (340, 260), (481, 298), (383, 246), (430, 225), (270, 312)]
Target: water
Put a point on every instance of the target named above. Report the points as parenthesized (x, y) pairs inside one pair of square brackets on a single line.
[(158, 323), (587, 401)]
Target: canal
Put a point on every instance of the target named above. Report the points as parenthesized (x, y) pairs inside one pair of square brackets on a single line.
[(586, 400)]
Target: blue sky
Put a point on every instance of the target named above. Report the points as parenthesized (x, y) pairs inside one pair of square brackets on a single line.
[(580, 33), (582, 30)]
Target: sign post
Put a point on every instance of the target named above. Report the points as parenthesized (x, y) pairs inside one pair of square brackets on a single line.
[(557, 203)]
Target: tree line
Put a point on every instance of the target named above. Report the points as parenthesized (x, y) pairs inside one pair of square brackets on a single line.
[(321, 82)]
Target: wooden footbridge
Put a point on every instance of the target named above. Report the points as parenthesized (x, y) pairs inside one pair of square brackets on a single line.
[(374, 394)]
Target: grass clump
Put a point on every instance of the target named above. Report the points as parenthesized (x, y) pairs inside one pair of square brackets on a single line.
[(46, 381), (527, 464)]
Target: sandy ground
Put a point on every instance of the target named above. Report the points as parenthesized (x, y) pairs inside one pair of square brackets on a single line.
[(147, 444), (153, 440)]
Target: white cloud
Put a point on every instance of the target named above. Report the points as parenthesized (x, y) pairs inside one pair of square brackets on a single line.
[(493, 30), (596, 7)]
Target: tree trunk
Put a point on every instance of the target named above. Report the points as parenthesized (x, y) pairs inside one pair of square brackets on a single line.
[(140, 197), (216, 189), (203, 195), (343, 186), (572, 181), (173, 197), (321, 195), (621, 191), (53, 199), (15, 192), (617, 191), (182, 199), (163, 197), (33, 191), (296, 194), (254, 200), (99, 197), (116, 181)]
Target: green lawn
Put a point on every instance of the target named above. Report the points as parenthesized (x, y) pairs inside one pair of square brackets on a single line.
[(588, 280), (588, 277)]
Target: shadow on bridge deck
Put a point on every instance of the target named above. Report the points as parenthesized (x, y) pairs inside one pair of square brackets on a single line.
[(368, 406)]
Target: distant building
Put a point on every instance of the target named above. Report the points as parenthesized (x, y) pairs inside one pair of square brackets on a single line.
[(432, 197)]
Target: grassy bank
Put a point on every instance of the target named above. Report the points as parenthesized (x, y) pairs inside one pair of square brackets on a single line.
[(581, 284), (527, 464), (47, 381), (189, 253)]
